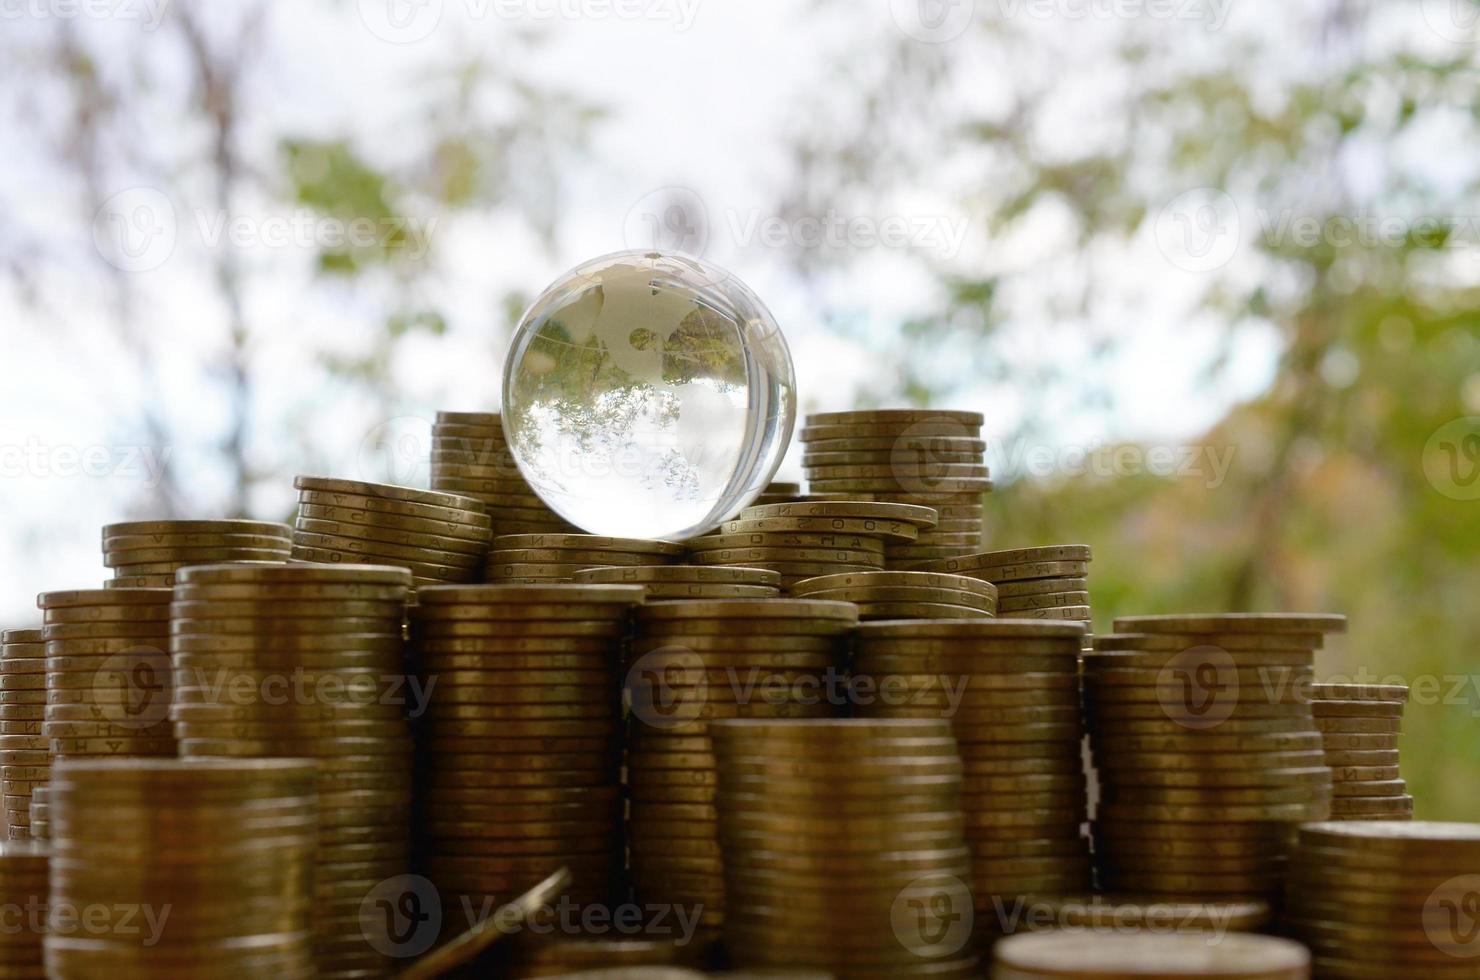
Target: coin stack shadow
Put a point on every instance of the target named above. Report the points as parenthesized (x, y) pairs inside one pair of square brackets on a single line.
[(1118, 954), (308, 661), (904, 595), (519, 746), (182, 868), (843, 847), (1379, 898), (1050, 582), (778, 492), (693, 662), (534, 559), (1366, 781), (1010, 690), (23, 679), (1207, 751), (146, 554), (438, 537), (688, 581), (23, 895), (905, 456), (108, 684), (471, 457)]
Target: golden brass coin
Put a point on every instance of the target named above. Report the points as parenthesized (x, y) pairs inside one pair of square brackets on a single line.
[(381, 491), (392, 610), (909, 442), (684, 615), (1361, 692), (372, 506), (854, 510), (226, 544), (1328, 708), (1256, 679), (886, 417), (1118, 728), (1337, 758), (270, 627), (148, 528), (979, 566), (589, 542), (680, 574), (585, 559), (140, 561), (872, 581), (1048, 600), (375, 537), (427, 555), (1351, 805), (892, 594), (322, 644), (349, 517), (1335, 741), (871, 529), (1230, 642), (1357, 774), (1358, 726), (1314, 809), (1391, 787), (789, 541), (978, 631), (790, 556), (1233, 623), (514, 597), (1036, 587), (293, 574)]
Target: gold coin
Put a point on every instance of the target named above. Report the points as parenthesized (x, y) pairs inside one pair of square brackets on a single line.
[(466, 510), (1360, 692), (347, 545), (788, 541), (135, 528), (1034, 587), (375, 537), (1050, 600), (870, 528), (974, 631), (516, 596), (854, 510), (290, 574), (883, 417), (1357, 726), (1327, 708), (122, 545), (680, 575), (351, 517), (1233, 623), (589, 542)]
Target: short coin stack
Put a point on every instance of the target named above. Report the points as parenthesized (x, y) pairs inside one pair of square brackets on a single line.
[(308, 661), (23, 894), (470, 457), (520, 742), (1379, 899), (1010, 690), (843, 847), (905, 456), (1368, 785), (40, 813), (1032, 583), (689, 581), (108, 686), (1119, 955), (146, 554), (438, 537), (543, 558), (805, 540), (904, 595), (22, 713), (1207, 750), (174, 868), (694, 662)]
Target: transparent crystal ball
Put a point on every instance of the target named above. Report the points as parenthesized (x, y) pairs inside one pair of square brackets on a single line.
[(648, 395)]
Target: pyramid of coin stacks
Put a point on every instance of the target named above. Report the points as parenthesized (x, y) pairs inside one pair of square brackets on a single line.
[(23, 895), (905, 456), (1120, 954), (146, 554), (470, 457), (540, 558), (23, 680), (175, 868), (1359, 728)]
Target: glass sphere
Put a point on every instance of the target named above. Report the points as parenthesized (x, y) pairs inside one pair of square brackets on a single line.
[(648, 395)]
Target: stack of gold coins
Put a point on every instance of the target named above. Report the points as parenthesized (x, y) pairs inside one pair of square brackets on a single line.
[(308, 661), (1032, 583), (22, 713), (1367, 781), (40, 814), (533, 559), (146, 554), (1125, 913), (904, 595), (23, 894), (470, 457), (108, 686), (689, 581), (182, 868), (520, 742), (906, 456), (1120, 955), (804, 540), (694, 662), (1010, 690), (438, 537), (1387, 899), (777, 492), (1207, 750), (843, 847)]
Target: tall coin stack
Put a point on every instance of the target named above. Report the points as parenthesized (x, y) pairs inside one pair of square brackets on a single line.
[(520, 742), (534, 559), (1379, 899), (904, 595), (1010, 691), (1032, 583), (146, 554), (176, 868), (1120, 955), (308, 661), (694, 662), (23, 711), (905, 456), (688, 581), (1367, 781), (23, 894), (843, 847), (438, 537), (471, 457), (108, 685), (814, 538), (1207, 750)]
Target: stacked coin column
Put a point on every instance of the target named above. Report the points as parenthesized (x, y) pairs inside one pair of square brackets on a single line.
[(182, 869), (904, 595), (1010, 691), (108, 685), (520, 741), (843, 847), (308, 661), (694, 662), (470, 457), (1366, 781), (22, 715), (147, 554), (541, 558), (23, 894), (1032, 583)]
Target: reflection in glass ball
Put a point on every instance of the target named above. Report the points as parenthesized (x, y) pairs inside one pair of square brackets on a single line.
[(648, 395)]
